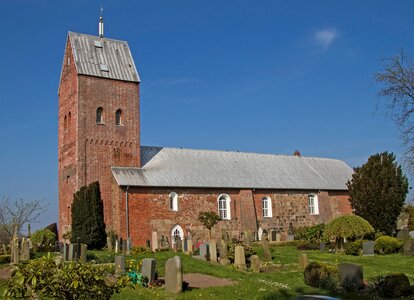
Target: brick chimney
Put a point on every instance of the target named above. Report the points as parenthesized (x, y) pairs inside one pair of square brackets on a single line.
[(297, 153)]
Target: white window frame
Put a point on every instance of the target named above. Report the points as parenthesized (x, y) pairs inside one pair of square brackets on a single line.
[(223, 207), (267, 207), (313, 204), (173, 201)]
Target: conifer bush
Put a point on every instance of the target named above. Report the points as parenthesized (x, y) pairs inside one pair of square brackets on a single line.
[(321, 275), (387, 245)]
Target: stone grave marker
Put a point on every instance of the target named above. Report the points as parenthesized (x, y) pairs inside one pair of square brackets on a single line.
[(408, 247), (174, 275), (255, 264), (213, 251), (247, 236), (154, 241), (322, 246), (411, 234), (278, 237), (302, 261), (266, 251), (350, 276), (72, 252), (84, 249), (78, 249), (403, 234), (25, 250), (239, 258), (223, 253), (190, 245), (119, 265), (65, 251), (61, 247), (116, 246), (109, 243), (15, 253), (124, 247), (368, 248), (148, 268), (290, 237), (185, 245), (204, 251)]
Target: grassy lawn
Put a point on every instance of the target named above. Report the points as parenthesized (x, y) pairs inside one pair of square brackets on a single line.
[(284, 283)]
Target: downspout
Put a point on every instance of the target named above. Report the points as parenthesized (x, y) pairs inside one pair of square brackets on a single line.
[(127, 221)]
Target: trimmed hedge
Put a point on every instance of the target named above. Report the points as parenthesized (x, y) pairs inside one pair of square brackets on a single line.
[(321, 275), (387, 245)]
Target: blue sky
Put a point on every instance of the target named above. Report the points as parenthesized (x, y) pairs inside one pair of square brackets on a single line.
[(256, 76)]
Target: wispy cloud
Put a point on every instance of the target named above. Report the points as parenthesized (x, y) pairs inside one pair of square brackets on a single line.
[(325, 37)]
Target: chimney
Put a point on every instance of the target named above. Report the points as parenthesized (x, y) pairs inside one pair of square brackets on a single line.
[(297, 153)]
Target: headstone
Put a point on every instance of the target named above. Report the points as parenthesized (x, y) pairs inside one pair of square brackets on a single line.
[(278, 237), (25, 250), (322, 246), (116, 246), (72, 252), (119, 265), (411, 234), (290, 237), (109, 243), (15, 253), (266, 251), (222, 249), (84, 249), (239, 258), (403, 234), (154, 244), (124, 247), (204, 251), (148, 268), (408, 247), (185, 246), (302, 261), (213, 251), (173, 275), (65, 251), (78, 249), (350, 276), (247, 237), (368, 248), (254, 264), (190, 245)]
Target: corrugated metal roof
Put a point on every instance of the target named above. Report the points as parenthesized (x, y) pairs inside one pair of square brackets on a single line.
[(176, 167), (103, 57)]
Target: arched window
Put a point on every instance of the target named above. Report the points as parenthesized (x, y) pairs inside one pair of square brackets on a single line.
[(224, 207), (267, 207), (173, 199), (65, 122), (99, 116), (69, 119), (177, 234), (118, 117), (313, 204)]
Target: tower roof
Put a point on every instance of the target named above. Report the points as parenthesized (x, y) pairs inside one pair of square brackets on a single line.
[(103, 57)]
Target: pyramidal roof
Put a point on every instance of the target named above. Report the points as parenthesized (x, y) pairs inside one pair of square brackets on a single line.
[(103, 57), (177, 167)]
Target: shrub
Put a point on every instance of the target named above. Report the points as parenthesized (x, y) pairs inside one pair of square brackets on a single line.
[(4, 259), (137, 250), (321, 276), (354, 248), (43, 278), (391, 286), (248, 250), (43, 239), (310, 234), (387, 245), (306, 245)]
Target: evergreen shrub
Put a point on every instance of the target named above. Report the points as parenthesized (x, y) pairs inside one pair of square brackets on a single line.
[(387, 245), (321, 275), (354, 248), (391, 286)]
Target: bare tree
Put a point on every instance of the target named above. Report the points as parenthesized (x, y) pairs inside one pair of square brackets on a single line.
[(397, 88), (14, 214)]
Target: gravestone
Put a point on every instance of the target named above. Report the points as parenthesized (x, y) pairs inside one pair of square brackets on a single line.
[(302, 261), (25, 251), (174, 275), (204, 251), (72, 252), (408, 247), (247, 237), (322, 246), (154, 239), (148, 268), (185, 245), (65, 251), (266, 251), (124, 247), (350, 276), (278, 237), (15, 253), (61, 247), (190, 245), (368, 248), (411, 234), (116, 246), (290, 237), (254, 264), (78, 249), (403, 234), (119, 265), (109, 243), (223, 253), (213, 251), (84, 249), (239, 258)]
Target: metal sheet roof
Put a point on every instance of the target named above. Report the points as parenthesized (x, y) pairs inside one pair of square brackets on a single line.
[(176, 167), (103, 57)]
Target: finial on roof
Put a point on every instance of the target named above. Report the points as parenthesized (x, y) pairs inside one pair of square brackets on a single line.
[(101, 24)]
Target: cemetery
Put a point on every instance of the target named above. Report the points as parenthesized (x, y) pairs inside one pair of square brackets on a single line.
[(274, 267)]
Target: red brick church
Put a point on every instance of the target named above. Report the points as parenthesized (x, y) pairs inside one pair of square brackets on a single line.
[(155, 191)]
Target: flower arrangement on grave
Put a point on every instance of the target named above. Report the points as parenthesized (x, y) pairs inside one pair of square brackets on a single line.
[(133, 268)]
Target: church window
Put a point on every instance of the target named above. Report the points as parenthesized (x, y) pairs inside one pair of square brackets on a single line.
[(69, 119), (177, 234), (224, 207), (99, 116), (118, 117), (65, 122), (173, 201), (267, 207), (313, 204)]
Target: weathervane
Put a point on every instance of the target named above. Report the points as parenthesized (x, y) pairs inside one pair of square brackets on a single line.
[(101, 24)]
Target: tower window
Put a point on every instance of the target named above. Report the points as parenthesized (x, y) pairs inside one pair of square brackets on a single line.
[(65, 122), (118, 117), (69, 119), (173, 197), (99, 116)]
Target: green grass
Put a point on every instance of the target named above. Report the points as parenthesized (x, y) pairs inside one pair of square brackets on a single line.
[(285, 283)]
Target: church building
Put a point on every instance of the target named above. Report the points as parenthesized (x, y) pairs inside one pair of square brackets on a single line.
[(159, 191)]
